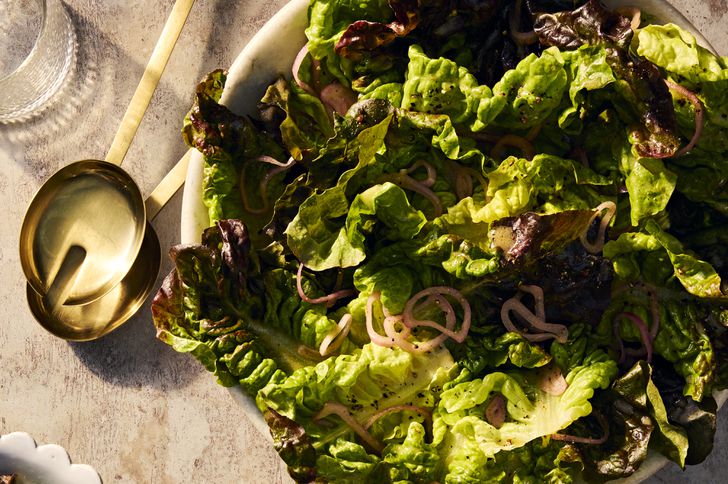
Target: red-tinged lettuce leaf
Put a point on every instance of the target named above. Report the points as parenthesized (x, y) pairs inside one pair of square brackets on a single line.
[(293, 445), (364, 36), (232, 146), (640, 83), (214, 306), (630, 430), (533, 235), (578, 285), (638, 389)]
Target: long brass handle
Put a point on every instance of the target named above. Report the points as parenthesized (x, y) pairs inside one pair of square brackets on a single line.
[(149, 81), (167, 187)]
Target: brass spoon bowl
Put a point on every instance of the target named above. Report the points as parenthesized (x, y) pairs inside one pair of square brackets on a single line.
[(90, 204), (91, 321)]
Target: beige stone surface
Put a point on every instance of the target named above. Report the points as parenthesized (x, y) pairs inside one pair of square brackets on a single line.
[(127, 404)]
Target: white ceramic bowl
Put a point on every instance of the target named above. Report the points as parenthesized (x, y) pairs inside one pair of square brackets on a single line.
[(264, 59)]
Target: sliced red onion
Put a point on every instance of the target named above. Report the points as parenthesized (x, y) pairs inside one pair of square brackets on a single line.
[(547, 330), (641, 327), (296, 66), (309, 353), (338, 97), (586, 440), (376, 338), (538, 299), (329, 299), (390, 330), (335, 338), (520, 38), (460, 335), (450, 317), (273, 161), (399, 408), (263, 186), (399, 338), (495, 412), (598, 245), (632, 13), (334, 408), (551, 381), (517, 142), (431, 172), (481, 179), (409, 183), (699, 115)]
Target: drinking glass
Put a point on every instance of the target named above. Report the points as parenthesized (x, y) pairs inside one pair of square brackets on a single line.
[(37, 44)]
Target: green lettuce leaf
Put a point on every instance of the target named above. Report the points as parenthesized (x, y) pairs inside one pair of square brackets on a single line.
[(366, 381), (306, 127), (697, 277), (320, 246), (440, 86), (546, 184), (533, 90), (681, 338), (650, 185), (531, 413)]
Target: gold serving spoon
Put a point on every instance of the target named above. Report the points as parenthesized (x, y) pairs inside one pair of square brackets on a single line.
[(87, 250)]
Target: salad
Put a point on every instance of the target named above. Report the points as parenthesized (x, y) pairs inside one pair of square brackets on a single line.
[(467, 241)]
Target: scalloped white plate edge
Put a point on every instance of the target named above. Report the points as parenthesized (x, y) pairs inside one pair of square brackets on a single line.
[(41, 464), (268, 55)]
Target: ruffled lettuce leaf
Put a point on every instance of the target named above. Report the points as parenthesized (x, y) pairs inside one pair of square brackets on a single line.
[(363, 36), (665, 256), (468, 440), (681, 338), (533, 90), (697, 418), (630, 431), (677, 52), (329, 19), (545, 184), (637, 388), (366, 381), (306, 127), (440, 86), (482, 353), (320, 246)]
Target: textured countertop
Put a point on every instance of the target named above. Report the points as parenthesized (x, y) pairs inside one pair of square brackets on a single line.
[(128, 404)]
